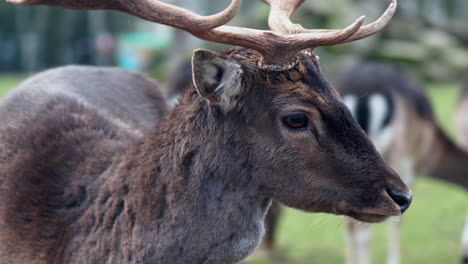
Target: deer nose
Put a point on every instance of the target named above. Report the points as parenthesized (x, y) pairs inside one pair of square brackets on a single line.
[(403, 200)]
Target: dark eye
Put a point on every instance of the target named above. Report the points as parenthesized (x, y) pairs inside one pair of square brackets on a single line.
[(297, 121)]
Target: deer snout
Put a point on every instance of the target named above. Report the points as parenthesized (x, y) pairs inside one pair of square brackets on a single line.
[(402, 199), (398, 191)]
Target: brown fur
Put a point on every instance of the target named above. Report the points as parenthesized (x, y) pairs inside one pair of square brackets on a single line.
[(462, 125), (418, 145), (461, 110), (82, 182)]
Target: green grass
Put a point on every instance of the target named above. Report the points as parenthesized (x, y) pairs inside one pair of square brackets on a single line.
[(431, 229), (8, 81)]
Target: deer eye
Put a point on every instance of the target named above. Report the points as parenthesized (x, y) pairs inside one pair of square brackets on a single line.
[(297, 121)]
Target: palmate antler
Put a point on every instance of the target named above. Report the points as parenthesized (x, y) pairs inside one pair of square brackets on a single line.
[(278, 47)]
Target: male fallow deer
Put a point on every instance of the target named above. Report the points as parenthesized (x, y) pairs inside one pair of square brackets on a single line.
[(398, 118), (90, 174)]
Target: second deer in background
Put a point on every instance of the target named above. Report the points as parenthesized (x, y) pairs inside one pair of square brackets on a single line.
[(462, 126), (398, 118)]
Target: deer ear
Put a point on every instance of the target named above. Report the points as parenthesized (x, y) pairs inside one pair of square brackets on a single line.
[(217, 78)]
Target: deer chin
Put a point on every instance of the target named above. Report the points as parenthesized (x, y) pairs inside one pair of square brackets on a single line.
[(385, 209), (370, 218)]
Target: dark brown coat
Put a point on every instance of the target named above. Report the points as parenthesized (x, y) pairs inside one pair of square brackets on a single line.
[(89, 173)]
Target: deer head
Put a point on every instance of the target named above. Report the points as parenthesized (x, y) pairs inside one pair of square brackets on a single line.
[(272, 104)]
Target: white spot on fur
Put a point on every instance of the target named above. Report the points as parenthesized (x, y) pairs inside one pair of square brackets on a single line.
[(378, 109), (381, 136), (351, 101), (173, 101)]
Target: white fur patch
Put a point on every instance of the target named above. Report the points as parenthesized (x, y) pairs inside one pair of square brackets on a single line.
[(230, 84), (378, 109), (381, 136), (173, 101), (350, 101)]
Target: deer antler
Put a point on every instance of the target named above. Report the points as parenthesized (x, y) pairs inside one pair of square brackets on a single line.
[(154, 11), (278, 47), (281, 11)]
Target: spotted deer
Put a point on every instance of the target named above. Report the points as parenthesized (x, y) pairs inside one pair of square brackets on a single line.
[(398, 118), (462, 126), (93, 169)]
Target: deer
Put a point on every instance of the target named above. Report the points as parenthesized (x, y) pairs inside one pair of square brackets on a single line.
[(462, 126), (95, 168), (398, 118)]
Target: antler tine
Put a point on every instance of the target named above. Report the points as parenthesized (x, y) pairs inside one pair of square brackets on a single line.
[(280, 12), (376, 26), (151, 10), (276, 48)]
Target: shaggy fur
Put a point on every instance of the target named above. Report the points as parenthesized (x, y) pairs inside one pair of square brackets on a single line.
[(89, 173)]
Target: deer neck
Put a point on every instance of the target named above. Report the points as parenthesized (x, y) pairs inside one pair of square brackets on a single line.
[(452, 164), (181, 195)]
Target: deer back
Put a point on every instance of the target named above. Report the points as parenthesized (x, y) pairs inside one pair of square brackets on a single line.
[(398, 117), (60, 131)]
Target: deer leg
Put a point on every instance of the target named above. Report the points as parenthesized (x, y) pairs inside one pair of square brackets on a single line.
[(359, 236), (465, 243), (394, 252), (271, 226), (407, 173)]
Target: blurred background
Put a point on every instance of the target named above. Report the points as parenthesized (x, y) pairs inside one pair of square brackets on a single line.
[(428, 39)]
